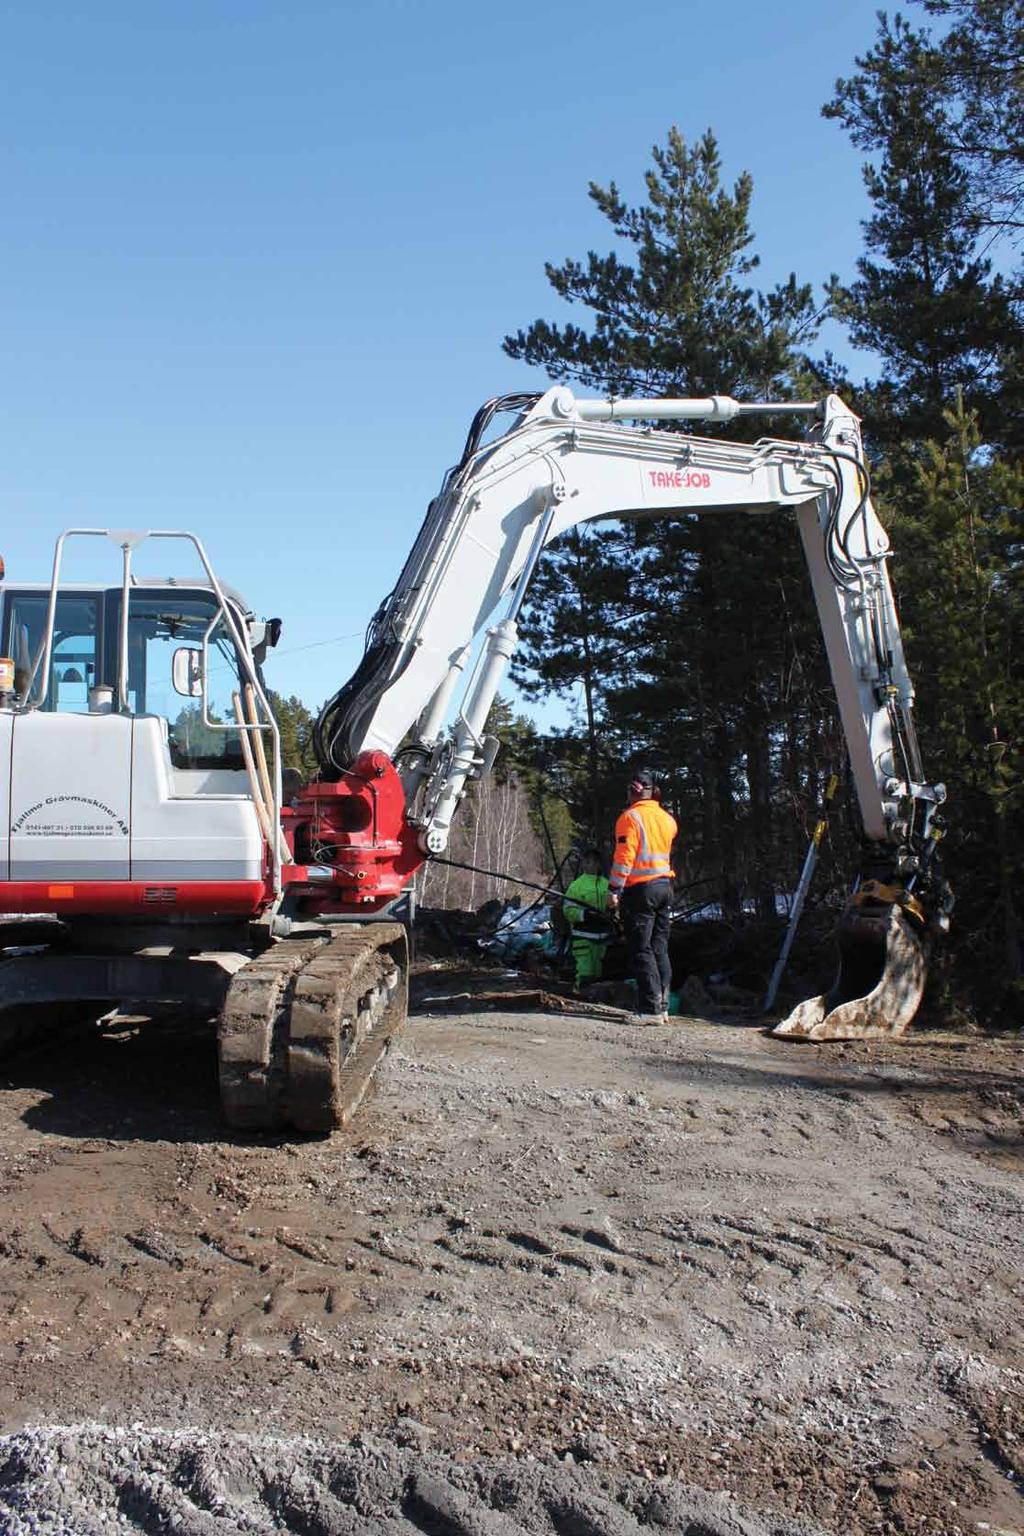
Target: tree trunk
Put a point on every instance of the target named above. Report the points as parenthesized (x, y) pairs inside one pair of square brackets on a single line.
[(759, 781), (716, 737), (1011, 923), (721, 767), (588, 679)]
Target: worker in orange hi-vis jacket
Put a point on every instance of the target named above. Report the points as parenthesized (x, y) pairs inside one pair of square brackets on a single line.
[(641, 886)]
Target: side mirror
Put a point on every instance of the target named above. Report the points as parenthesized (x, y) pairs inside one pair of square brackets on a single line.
[(187, 672)]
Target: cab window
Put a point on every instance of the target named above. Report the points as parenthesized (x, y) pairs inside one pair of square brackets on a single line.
[(75, 659), (158, 626)]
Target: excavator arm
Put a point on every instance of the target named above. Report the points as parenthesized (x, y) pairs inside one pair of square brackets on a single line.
[(561, 465), (567, 461)]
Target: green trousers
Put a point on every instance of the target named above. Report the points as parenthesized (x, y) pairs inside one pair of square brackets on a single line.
[(588, 956)]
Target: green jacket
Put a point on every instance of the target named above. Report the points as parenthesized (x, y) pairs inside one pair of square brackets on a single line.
[(586, 894)]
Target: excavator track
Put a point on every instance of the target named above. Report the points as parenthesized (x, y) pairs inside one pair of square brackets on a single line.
[(305, 1025)]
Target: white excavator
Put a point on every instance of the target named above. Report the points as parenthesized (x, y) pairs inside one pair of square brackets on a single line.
[(141, 802)]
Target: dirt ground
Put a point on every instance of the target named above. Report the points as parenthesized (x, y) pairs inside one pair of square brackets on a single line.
[(644, 1260)]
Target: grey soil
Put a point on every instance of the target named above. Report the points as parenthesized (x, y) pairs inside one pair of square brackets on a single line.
[(561, 1276)]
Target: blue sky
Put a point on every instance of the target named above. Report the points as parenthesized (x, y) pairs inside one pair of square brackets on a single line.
[(258, 258)]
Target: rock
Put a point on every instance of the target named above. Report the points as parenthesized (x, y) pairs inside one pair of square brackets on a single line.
[(410, 1433), (590, 1446)]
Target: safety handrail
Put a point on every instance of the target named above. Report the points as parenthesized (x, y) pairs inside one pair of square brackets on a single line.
[(128, 540)]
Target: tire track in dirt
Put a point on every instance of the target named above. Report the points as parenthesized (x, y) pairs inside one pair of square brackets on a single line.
[(81, 1478), (692, 1254)]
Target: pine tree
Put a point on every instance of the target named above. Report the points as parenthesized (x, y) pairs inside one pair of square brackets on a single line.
[(683, 320), (923, 300), (940, 119), (576, 648), (668, 627), (958, 528), (978, 65), (296, 726)]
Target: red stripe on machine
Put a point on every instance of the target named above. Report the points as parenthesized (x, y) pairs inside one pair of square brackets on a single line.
[(228, 898)]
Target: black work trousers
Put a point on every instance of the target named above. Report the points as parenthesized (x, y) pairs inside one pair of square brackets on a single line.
[(646, 916)]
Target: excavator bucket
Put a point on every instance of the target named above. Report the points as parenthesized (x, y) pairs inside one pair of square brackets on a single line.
[(883, 965)]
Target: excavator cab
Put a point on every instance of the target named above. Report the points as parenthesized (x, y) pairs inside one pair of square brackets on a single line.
[(164, 677), (128, 787)]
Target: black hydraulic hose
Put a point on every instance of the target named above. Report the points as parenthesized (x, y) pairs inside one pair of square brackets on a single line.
[(843, 578), (341, 717), (513, 921), (901, 728), (550, 842), (883, 656), (582, 902), (843, 571), (897, 727), (547, 890), (844, 567), (862, 469), (497, 874), (486, 414)]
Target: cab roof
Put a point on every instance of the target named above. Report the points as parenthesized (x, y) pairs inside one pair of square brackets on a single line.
[(147, 584)]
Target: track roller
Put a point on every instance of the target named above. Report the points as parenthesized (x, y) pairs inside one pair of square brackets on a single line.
[(305, 1025)]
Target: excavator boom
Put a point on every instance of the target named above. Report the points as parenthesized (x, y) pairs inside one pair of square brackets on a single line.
[(565, 461)]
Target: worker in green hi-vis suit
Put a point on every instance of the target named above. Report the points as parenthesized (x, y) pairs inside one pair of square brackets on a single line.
[(584, 906)]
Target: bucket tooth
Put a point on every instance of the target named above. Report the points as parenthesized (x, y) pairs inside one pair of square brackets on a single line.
[(882, 973)]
